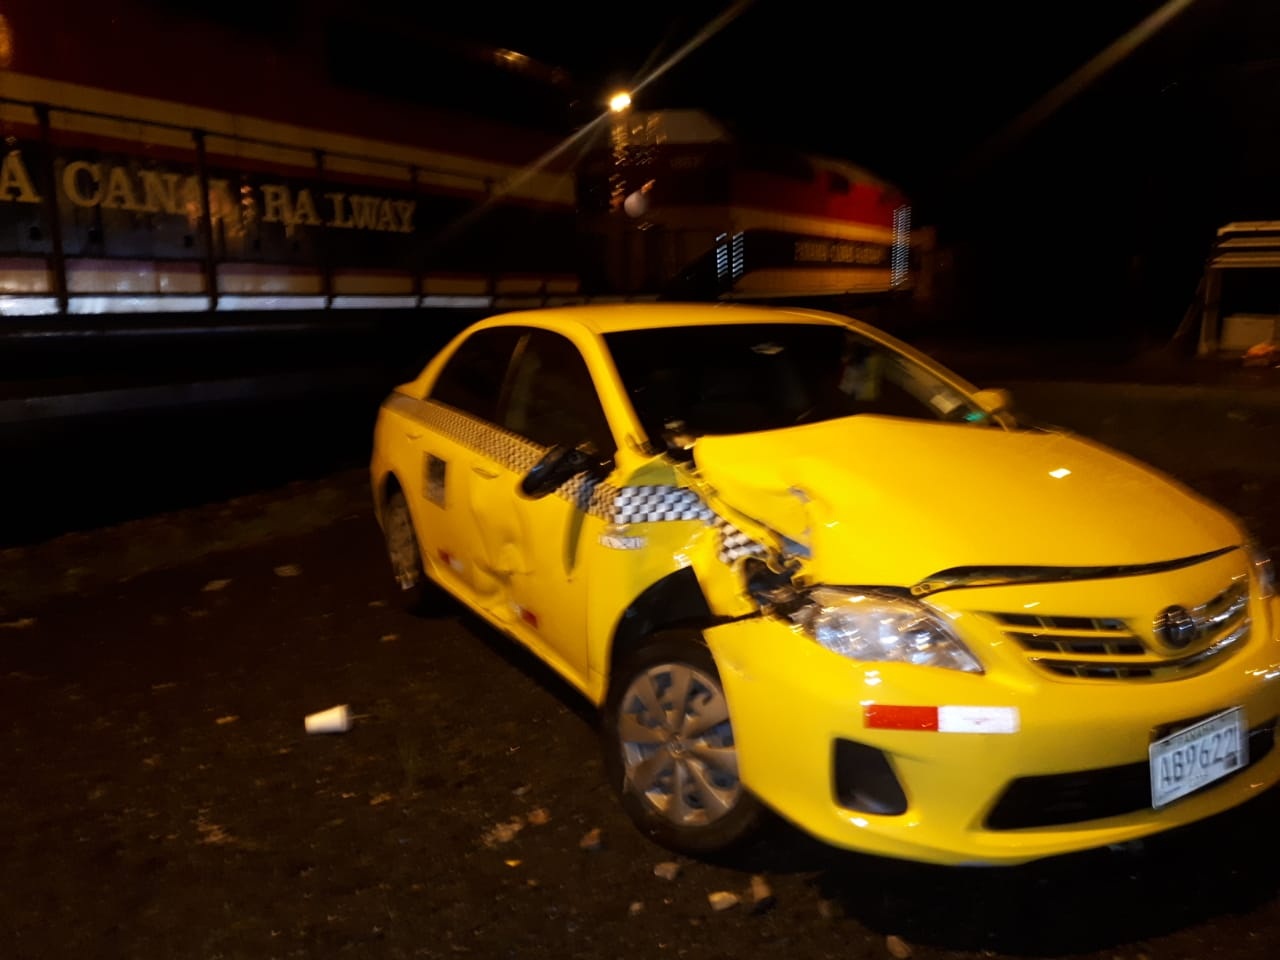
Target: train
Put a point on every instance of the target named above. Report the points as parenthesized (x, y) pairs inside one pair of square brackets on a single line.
[(158, 162), (226, 230)]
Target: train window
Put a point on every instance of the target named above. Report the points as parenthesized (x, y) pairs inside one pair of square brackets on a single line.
[(837, 182)]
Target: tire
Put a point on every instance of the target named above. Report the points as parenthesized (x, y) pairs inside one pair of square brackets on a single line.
[(682, 791), (413, 590)]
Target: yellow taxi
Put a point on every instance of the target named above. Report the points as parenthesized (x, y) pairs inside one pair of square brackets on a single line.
[(800, 567)]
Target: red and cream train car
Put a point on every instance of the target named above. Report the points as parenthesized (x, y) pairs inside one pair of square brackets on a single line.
[(157, 162), (682, 204)]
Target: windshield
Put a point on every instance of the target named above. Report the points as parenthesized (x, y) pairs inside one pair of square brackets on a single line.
[(740, 378)]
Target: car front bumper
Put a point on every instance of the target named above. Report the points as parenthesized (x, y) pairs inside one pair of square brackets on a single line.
[(792, 702)]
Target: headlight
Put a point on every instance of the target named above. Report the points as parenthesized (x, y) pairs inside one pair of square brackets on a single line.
[(1264, 570), (882, 628)]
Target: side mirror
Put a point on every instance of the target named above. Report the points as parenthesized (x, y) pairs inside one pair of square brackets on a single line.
[(994, 402), (677, 442), (557, 465)]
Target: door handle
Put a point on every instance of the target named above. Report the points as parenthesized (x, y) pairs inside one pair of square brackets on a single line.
[(484, 472)]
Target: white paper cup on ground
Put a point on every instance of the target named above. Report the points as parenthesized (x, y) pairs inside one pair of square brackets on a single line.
[(334, 720)]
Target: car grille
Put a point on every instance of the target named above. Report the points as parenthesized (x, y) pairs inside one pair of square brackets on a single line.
[(1061, 798), (1101, 648)]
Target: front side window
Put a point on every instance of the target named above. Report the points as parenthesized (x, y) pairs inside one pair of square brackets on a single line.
[(741, 378), (471, 380), (552, 399)]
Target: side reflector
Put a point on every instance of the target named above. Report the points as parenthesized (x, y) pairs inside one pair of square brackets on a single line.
[(880, 716)]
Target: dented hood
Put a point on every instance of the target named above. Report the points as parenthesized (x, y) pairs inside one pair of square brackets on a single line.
[(881, 500)]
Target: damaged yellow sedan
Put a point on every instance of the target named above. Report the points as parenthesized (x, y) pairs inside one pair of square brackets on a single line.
[(802, 568)]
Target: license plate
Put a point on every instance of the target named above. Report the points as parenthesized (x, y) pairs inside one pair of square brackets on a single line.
[(1187, 760)]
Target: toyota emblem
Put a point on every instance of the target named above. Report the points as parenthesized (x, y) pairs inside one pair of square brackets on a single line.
[(1176, 627)]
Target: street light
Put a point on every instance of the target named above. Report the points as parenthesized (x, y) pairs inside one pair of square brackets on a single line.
[(620, 101)]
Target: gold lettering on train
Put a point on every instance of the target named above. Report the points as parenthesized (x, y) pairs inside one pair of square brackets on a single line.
[(304, 209), (120, 194), (120, 187), (834, 251), (340, 218), (161, 191), (14, 177), (276, 207), (71, 183)]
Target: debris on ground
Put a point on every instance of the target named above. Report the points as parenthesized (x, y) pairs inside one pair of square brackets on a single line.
[(213, 586), (522, 790), (637, 907), (21, 623), (897, 947), (288, 570), (501, 833), (229, 718), (377, 603), (513, 863), (161, 687), (334, 720), (762, 898), (212, 833), (826, 909), (1262, 354), (667, 870), (389, 637), (378, 799), (539, 817), (593, 839), (722, 900)]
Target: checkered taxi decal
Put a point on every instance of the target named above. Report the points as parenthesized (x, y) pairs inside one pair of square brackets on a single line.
[(650, 503)]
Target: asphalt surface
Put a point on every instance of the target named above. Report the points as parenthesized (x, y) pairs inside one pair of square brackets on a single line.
[(161, 798)]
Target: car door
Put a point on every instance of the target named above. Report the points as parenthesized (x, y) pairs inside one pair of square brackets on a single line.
[(535, 547), (458, 414)]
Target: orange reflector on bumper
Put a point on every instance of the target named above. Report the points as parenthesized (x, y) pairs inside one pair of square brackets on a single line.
[(882, 716)]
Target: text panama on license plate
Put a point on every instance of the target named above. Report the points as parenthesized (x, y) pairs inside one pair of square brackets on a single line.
[(1185, 761)]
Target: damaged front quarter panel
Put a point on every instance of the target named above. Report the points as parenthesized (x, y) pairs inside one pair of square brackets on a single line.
[(743, 563), (665, 519)]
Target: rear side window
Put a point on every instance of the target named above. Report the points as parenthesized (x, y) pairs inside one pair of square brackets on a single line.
[(471, 380), (553, 399)]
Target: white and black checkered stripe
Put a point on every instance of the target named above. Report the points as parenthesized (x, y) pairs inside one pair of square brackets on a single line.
[(658, 502), (734, 544), (513, 451), (648, 503), (509, 449), (589, 495)]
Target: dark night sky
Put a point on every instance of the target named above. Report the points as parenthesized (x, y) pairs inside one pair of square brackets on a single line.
[(905, 88)]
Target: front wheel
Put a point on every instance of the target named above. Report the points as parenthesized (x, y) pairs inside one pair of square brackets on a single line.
[(670, 751)]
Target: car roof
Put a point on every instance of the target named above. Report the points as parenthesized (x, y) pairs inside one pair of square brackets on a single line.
[(603, 319)]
